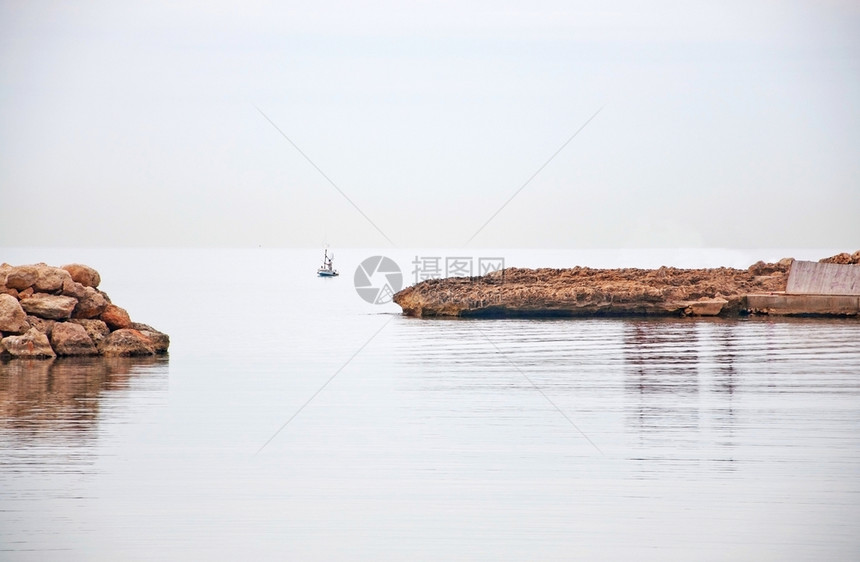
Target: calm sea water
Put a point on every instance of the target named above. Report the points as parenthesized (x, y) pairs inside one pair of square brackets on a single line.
[(293, 420)]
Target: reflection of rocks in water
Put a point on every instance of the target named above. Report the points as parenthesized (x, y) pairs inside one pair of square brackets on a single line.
[(61, 397), (724, 357), (662, 357), (680, 378), (724, 381), (662, 376)]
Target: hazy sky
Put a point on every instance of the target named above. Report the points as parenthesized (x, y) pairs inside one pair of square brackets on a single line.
[(724, 124)]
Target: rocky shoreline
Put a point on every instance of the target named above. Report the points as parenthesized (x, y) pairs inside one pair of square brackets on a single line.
[(583, 291), (46, 312)]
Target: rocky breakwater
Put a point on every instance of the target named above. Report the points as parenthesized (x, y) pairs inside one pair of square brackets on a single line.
[(49, 311), (583, 291)]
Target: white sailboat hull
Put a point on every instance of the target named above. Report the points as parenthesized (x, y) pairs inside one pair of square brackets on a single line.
[(327, 268)]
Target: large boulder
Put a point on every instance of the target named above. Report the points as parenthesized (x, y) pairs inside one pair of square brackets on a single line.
[(22, 276), (5, 268), (126, 342), (41, 324), (52, 307), (50, 279), (72, 288), (115, 317), (68, 338), (33, 344), (83, 274), (91, 305), (48, 311), (95, 328), (13, 319), (160, 341)]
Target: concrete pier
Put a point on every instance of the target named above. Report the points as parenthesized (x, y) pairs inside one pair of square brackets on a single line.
[(783, 304), (813, 289)]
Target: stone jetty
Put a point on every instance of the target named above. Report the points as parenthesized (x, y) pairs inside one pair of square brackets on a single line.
[(583, 291), (48, 311)]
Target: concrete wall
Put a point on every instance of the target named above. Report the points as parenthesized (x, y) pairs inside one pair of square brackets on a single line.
[(814, 278), (803, 305)]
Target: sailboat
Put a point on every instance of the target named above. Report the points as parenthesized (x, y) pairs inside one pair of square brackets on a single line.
[(327, 269)]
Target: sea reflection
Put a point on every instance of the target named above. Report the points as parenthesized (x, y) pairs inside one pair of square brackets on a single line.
[(663, 356), (680, 378), (662, 365), (724, 382), (62, 399), (725, 356)]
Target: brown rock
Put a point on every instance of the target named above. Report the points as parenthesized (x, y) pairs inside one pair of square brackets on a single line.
[(44, 326), (83, 274), (96, 329), (73, 288), (583, 291), (72, 339), (761, 268), (13, 319), (91, 305), (22, 277), (50, 279), (52, 307), (706, 307), (844, 258), (160, 341), (126, 342), (33, 344), (115, 317), (64, 306)]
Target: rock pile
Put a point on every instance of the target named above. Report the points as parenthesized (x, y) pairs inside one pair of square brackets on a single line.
[(844, 258), (583, 291), (59, 311)]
